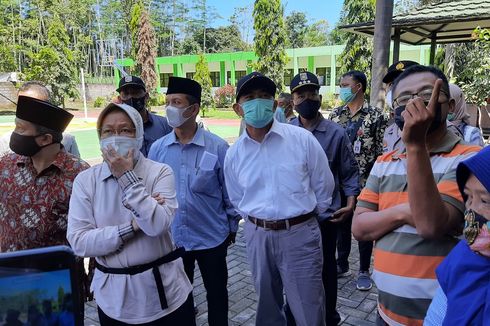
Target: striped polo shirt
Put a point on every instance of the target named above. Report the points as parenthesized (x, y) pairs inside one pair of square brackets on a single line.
[(404, 262)]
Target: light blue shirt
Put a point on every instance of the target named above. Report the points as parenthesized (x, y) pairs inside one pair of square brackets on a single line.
[(284, 176), (205, 216)]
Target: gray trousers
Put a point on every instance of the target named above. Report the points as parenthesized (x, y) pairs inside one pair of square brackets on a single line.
[(291, 260)]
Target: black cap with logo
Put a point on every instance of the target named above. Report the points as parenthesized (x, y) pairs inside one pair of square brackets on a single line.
[(131, 81), (253, 81)]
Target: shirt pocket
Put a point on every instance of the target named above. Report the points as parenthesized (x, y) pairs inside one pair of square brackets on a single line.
[(292, 179), (205, 181)]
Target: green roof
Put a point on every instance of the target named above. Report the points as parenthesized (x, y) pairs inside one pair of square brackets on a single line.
[(447, 22)]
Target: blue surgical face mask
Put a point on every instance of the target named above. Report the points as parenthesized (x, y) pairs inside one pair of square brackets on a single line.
[(450, 116), (258, 112), (346, 95)]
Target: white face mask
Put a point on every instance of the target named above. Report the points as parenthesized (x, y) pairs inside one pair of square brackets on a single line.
[(175, 116), (389, 99), (121, 145)]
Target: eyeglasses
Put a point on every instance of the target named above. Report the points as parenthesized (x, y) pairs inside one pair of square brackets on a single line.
[(107, 132), (425, 95)]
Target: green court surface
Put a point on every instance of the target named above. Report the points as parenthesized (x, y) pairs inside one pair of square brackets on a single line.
[(88, 142)]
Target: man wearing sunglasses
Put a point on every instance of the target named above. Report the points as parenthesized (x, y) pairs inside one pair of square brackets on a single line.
[(413, 236)]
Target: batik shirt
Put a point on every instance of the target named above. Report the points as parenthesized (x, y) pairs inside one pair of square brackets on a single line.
[(34, 207), (365, 130)]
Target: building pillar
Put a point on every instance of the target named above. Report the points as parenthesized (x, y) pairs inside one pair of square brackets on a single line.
[(159, 82), (222, 73), (249, 67), (333, 72), (311, 64), (295, 64), (117, 76), (396, 45), (433, 45), (232, 73)]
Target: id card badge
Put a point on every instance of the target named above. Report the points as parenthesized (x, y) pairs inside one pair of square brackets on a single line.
[(357, 147)]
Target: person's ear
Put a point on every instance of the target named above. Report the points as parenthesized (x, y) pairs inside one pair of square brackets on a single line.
[(321, 98), (451, 106), (44, 140), (238, 109)]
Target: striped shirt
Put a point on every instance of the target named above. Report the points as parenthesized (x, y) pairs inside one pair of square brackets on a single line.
[(404, 262)]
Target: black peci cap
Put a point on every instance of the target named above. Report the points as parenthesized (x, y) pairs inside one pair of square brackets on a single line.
[(42, 113), (252, 81), (179, 85)]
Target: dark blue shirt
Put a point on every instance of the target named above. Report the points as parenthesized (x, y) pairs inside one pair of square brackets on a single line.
[(336, 144), (156, 127)]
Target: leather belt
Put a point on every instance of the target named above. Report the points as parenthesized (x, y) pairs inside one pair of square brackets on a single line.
[(133, 270), (281, 224)]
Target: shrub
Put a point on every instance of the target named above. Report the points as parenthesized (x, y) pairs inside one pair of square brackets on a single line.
[(157, 99), (223, 96), (99, 102)]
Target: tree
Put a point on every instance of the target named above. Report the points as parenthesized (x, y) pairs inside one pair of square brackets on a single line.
[(203, 78), (296, 28), (317, 34), (358, 49), (270, 39), (221, 39), (54, 64), (147, 52), (472, 67), (134, 27), (242, 20)]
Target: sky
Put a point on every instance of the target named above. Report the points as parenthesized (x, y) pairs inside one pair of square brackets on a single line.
[(314, 9)]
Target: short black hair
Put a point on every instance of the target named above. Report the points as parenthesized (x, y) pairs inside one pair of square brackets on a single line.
[(285, 96), (359, 77), (418, 69), (192, 99), (57, 135)]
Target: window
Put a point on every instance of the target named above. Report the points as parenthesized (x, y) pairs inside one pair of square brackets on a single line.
[(164, 79), (190, 75), (239, 74), (288, 76), (214, 78), (321, 73)]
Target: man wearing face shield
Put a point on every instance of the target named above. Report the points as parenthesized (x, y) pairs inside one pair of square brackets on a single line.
[(132, 91), (336, 144), (120, 213), (365, 126), (205, 223), (411, 206), (279, 180)]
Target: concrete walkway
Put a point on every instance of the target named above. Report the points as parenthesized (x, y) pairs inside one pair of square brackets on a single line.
[(356, 307)]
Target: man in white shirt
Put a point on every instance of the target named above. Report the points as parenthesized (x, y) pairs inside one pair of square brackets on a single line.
[(280, 202)]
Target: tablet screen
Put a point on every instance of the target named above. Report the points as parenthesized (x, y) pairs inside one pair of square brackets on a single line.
[(30, 296)]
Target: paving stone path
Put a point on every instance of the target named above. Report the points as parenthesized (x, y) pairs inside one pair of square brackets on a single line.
[(355, 307)]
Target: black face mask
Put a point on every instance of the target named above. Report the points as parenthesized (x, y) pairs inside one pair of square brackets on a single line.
[(24, 145), (136, 102), (308, 109), (400, 122)]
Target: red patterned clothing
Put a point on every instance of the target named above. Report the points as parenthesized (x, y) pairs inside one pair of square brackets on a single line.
[(34, 207)]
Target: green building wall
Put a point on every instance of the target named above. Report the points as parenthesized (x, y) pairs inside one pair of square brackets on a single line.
[(227, 68)]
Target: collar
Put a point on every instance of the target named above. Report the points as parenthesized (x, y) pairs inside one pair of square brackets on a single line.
[(276, 128), (364, 108), (445, 145), (149, 122), (198, 138), (59, 162), (138, 169), (320, 125)]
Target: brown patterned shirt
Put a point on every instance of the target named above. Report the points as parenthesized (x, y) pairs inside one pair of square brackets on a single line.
[(34, 207)]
